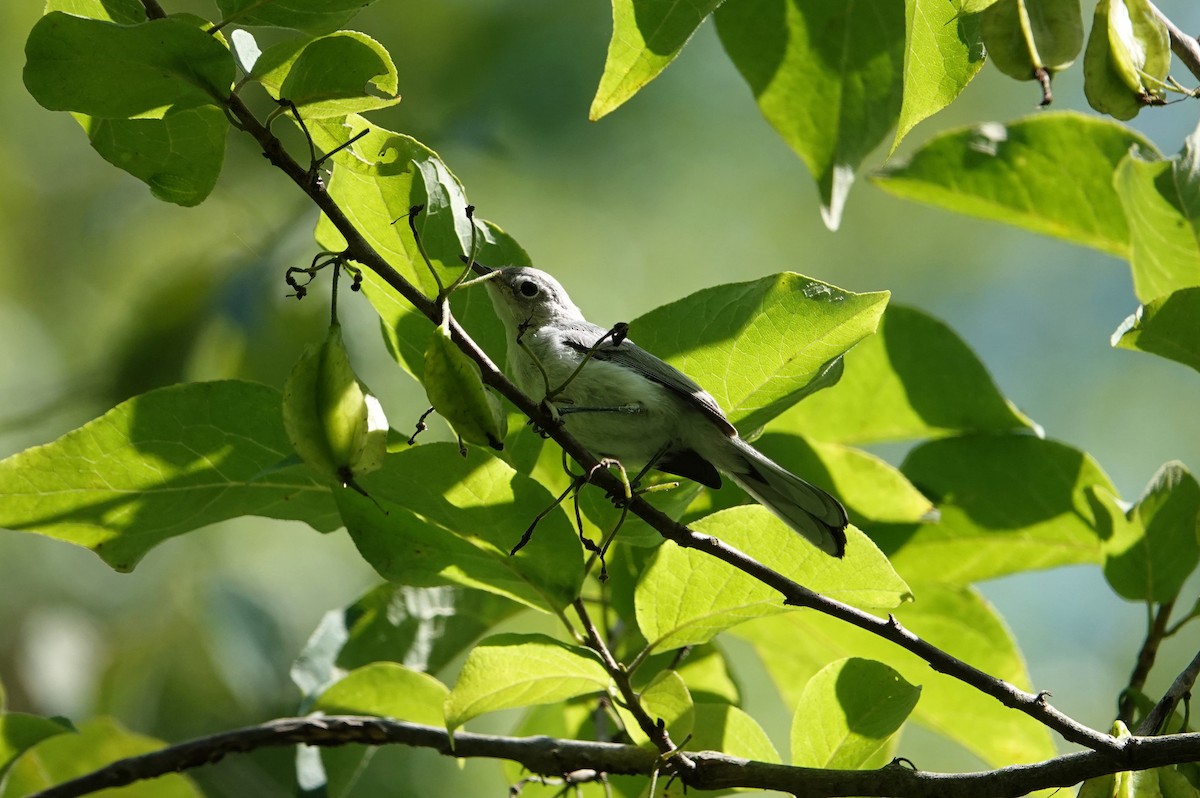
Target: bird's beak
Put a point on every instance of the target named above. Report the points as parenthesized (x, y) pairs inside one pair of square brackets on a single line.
[(479, 268)]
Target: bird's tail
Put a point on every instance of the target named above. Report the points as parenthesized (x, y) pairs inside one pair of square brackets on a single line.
[(805, 508)]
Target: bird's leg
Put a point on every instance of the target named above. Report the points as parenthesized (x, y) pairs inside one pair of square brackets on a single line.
[(537, 519)]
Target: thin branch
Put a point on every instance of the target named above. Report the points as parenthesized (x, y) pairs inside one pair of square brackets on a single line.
[(1186, 48), (359, 250), (1145, 662), (153, 9), (556, 757), (1181, 688)]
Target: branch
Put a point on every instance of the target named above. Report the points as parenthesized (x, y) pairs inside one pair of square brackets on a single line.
[(1145, 662), (1180, 689), (556, 757), (1186, 48), (359, 250)]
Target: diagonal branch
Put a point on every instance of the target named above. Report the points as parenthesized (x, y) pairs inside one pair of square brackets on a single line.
[(1185, 47), (1178, 691), (556, 757), (359, 250)]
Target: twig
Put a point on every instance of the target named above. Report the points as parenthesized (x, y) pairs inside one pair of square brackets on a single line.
[(1145, 662), (359, 250), (153, 9), (1186, 48), (713, 771), (1180, 688)]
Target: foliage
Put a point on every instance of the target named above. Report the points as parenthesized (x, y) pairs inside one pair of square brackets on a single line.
[(627, 643)]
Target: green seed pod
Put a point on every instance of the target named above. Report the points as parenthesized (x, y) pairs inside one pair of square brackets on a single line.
[(1022, 36), (334, 423), (456, 391), (1127, 58)]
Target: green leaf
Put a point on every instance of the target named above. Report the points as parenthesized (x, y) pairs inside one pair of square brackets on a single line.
[(827, 76), (647, 35), (179, 155), (943, 52), (1165, 327), (311, 16), (849, 710), (121, 72), (435, 518), (1023, 36), (376, 181), (915, 378), (99, 742), (122, 12), (421, 628), (1008, 503), (1151, 553), (20, 732), (730, 730), (667, 700), (331, 76), (159, 465), (958, 620), (454, 386), (1050, 173), (762, 342), (388, 690), (707, 676), (512, 670), (1161, 199), (685, 597)]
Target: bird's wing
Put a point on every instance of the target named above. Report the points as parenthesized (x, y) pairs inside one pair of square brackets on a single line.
[(631, 356)]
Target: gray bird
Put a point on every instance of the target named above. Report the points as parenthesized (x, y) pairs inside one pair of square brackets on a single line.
[(628, 405)]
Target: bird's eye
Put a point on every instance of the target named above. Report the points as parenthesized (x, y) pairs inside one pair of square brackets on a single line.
[(528, 289)]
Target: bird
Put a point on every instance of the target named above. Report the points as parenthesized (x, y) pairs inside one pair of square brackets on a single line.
[(627, 405)]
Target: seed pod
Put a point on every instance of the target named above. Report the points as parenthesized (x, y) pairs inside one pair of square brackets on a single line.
[(1127, 58), (334, 423), (456, 391), (1056, 28)]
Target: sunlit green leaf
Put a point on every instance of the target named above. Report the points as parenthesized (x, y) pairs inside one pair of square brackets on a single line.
[(957, 620), (19, 732), (159, 465), (386, 689), (665, 699), (331, 76), (1161, 199), (915, 378), (122, 12), (514, 670), (1169, 327), (827, 76), (1050, 173), (847, 711), (646, 37), (762, 342), (1008, 503), (943, 52), (99, 742), (436, 518), (730, 730), (685, 597), (310, 16)]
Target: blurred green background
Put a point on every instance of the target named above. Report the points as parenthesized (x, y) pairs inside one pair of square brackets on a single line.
[(107, 293)]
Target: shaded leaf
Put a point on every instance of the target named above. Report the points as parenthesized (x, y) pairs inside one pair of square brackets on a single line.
[(435, 518), (159, 465), (1050, 173), (827, 76), (1169, 327), (512, 670), (331, 76), (848, 711), (915, 378), (762, 343), (1008, 503), (943, 52), (310, 16), (646, 37), (685, 597)]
